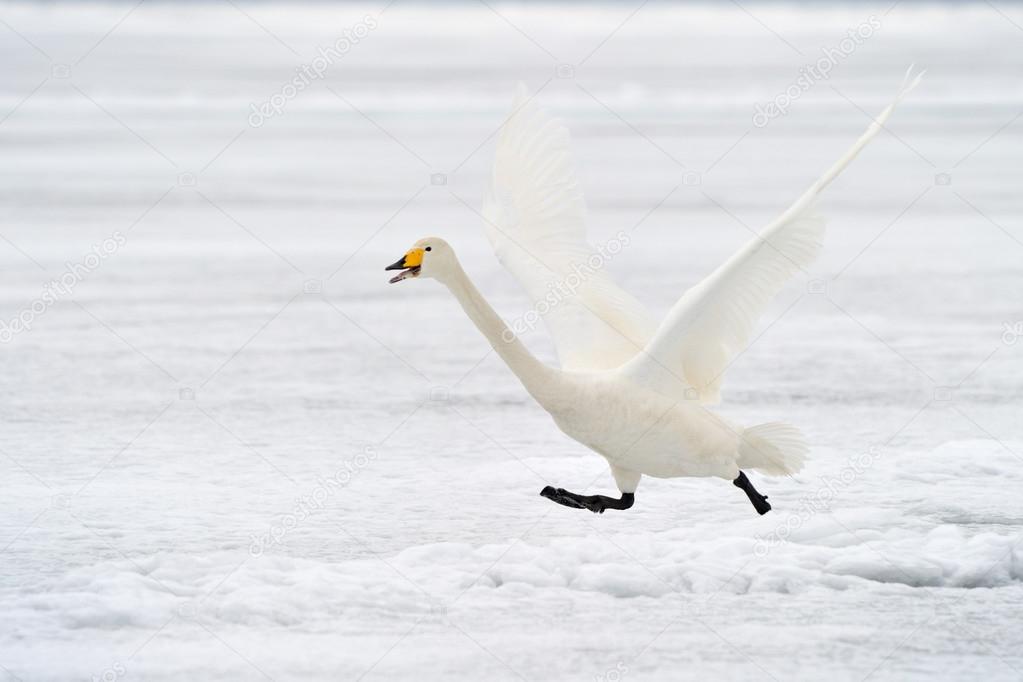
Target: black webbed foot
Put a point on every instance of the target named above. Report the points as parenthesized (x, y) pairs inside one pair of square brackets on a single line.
[(562, 496), (595, 503), (759, 501)]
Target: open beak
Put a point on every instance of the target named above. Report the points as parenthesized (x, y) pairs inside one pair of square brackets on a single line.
[(410, 264)]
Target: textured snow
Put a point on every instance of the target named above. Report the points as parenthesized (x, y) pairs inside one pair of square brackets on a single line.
[(234, 452)]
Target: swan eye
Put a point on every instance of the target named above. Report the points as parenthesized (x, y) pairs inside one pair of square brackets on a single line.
[(429, 248)]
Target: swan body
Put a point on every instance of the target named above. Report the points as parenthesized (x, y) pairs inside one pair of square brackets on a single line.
[(634, 391)]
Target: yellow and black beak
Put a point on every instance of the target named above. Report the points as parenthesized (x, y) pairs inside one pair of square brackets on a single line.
[(409, 264)]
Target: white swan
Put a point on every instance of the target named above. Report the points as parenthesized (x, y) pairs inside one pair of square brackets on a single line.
[(631, 390)]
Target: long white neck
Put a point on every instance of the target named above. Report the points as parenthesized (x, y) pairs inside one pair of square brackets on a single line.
[(540, 380)]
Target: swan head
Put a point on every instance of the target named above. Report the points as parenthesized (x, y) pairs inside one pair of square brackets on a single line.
[(429, 257)]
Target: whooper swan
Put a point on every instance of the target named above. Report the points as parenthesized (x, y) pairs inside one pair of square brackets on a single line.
[(633, 391)]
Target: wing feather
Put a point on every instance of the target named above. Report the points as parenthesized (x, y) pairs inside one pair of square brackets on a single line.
[(535, 218), (714, 321)]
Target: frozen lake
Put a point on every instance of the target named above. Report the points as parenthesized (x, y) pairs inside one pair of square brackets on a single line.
[(232, 451)]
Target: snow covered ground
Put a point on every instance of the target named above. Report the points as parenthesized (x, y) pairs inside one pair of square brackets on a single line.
[(232, 451)]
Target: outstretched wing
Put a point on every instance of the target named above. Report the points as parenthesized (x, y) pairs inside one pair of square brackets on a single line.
[(713, 321), (535, 219)]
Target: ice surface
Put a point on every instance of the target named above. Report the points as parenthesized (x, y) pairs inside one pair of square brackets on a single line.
[(234, 452)]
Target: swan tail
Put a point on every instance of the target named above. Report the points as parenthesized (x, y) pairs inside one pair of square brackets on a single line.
[(773, 449)]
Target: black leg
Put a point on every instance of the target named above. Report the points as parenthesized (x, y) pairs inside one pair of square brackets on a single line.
[(595, 503), (759, 501)]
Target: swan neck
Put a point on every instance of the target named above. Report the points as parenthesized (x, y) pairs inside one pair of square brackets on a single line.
[(537, 377)]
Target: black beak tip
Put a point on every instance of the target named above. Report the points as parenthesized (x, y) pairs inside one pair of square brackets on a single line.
[(399, 265)]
